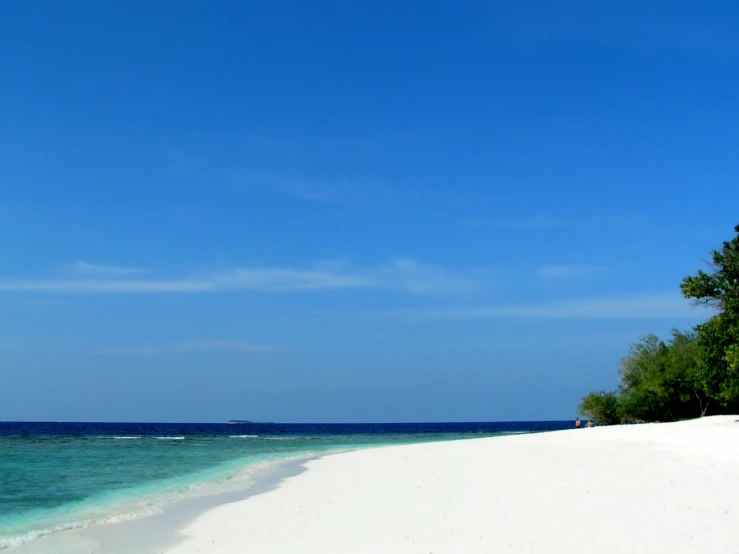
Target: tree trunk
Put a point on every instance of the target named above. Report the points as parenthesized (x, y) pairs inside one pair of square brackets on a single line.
[(703, 408)]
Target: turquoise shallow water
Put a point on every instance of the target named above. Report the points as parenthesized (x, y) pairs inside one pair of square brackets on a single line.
[(60, 476), (52, 484)]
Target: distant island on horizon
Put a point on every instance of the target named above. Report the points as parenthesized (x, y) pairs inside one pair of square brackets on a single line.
[(244, 421)]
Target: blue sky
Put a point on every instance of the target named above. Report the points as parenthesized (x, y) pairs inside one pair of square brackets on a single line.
[(352, 211)]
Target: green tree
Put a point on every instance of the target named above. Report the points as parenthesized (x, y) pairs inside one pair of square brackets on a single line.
[(692, 374), (642, 391), (684, 376), (601, 407), (659, 381), (663, 381), (732, 357), (719, 337)]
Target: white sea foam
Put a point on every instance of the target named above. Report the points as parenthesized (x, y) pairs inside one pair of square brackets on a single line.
[(145, 503), (139, 503), (9, 542), (243, 436), (287, 438), (125, 438), (150, 510)]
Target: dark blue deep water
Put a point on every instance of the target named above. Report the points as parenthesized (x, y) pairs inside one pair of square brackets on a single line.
[(56, 476), (62, 429)]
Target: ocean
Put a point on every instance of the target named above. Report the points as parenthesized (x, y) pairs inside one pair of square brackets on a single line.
[(56, 476)]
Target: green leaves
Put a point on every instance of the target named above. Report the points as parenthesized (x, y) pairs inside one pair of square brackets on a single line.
[(662, 381), (694, 373), (720, 288), (719, 337), (601, 407), (732, 357)]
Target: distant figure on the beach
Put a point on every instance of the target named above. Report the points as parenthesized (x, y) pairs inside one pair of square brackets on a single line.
[(589, 424), (578, 423)]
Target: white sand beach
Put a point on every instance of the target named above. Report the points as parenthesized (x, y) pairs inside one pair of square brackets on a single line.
[(651, 489)]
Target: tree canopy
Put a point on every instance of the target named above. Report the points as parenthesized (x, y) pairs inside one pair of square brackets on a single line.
[(694, 373), (719, 337), (602, 408)]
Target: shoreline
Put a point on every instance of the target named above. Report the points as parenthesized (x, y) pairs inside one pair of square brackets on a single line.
[(85, 526), (153, 531), (149, 533), (670, 488), (153, 534), (605, 489)]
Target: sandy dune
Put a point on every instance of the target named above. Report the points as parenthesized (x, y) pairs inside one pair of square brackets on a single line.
[(667, 488)]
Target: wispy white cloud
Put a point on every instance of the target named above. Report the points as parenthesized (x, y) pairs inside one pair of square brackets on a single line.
[(401, 274), (644, 306), (105, 286), (193, 346), (314, 190), (533, 222), (603, 338), (551, 221), (98, 270), (414, 277), (365, 192), (182, 162), (389, 140), (554, 271)]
